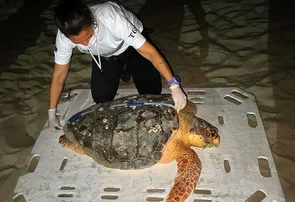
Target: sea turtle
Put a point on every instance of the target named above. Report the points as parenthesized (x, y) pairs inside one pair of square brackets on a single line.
[(134, 137)]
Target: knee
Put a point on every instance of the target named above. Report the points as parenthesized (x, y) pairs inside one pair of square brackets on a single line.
[(102, 98)]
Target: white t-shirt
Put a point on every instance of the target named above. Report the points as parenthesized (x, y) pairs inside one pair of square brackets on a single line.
[(116, 30)]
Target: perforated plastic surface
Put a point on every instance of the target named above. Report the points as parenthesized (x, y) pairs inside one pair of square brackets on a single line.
[(231, 172)]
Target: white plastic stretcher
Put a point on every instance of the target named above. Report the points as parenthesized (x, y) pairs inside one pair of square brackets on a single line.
[(240, 169)]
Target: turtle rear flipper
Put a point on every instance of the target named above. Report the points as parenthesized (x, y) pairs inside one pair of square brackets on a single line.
[(189, 170), (63, 140)]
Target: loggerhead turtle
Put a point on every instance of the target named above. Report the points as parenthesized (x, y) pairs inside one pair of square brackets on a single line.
[(137, 137)]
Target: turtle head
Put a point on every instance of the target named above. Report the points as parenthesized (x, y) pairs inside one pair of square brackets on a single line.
[(203, 134)]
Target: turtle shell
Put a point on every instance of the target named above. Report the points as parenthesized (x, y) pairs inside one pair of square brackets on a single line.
[(124, 137)]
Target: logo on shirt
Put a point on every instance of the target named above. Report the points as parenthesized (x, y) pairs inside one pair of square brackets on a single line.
[(55, 48), (133, 32)]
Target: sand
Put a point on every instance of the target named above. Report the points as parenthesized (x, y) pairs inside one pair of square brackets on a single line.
[(249, 44), (7, 8)]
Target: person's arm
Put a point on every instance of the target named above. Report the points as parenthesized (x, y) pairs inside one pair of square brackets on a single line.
[(148, 51), (59, 76), (62, 55), (63, 50)]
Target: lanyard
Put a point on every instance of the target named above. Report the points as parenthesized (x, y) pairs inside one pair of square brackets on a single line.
[(97, 62)]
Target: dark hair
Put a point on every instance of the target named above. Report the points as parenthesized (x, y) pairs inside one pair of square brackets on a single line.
[(71, 16)]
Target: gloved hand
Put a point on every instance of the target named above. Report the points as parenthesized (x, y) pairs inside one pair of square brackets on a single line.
[(53, 122), (178, 97)]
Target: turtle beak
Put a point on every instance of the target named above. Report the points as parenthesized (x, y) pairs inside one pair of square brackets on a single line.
[(216, 142), (213, 141), (209, 146)]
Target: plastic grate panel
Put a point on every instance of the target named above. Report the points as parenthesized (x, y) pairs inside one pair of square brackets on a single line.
[(242, 166)]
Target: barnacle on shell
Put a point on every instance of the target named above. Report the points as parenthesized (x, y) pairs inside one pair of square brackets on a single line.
[(158, 127)]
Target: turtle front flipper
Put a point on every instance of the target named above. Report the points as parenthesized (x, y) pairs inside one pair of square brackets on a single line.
[(63, 140), (189, 170)]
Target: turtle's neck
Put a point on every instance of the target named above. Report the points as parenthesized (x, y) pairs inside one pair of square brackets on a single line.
[(185, 122)]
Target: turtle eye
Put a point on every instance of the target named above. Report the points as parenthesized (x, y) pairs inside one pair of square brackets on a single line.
[(207, 133)]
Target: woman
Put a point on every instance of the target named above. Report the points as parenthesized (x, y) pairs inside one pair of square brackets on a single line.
[(113, 37)]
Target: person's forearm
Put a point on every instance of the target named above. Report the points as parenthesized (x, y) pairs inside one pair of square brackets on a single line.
[(55, 91), (162, 66), (58, 80), (149, 52)]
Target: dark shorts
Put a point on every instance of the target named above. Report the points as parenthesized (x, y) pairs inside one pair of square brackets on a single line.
[(104, 85)]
